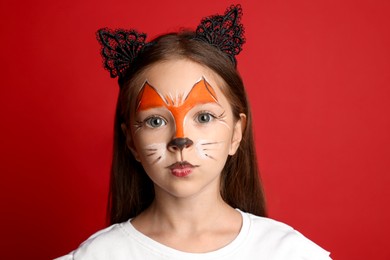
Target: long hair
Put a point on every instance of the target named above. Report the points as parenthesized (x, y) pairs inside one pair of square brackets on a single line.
[(131, 190)]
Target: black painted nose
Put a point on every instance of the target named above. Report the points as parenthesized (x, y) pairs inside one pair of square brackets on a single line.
[(179, 144)]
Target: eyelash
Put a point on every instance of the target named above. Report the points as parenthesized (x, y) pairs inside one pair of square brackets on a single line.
[(213, 116), (145, 121)]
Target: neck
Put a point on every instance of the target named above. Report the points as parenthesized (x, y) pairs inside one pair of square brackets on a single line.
[(185, 215), (194, 212), (199, 223)]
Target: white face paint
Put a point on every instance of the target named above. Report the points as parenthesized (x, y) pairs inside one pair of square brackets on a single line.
[(206, 149), (155, 152), (183, 129)]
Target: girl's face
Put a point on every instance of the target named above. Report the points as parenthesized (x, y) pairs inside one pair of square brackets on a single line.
[(183, 128)]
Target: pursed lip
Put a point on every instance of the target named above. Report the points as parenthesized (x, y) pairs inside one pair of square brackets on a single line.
[(181, 169), (181, 165)]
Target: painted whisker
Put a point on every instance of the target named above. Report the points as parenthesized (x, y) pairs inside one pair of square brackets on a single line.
[(155, 161), (211, 143), (209, 156)]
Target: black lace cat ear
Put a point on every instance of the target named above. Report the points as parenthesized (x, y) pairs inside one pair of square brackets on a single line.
[(119, 49), (224, 31)]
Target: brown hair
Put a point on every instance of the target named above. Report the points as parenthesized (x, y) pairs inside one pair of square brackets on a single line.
[(131, 190)]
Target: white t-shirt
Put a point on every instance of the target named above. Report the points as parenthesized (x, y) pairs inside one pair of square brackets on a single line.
[(259, 238)]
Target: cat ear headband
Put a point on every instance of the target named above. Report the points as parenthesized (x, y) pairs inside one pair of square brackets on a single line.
[(121, 47)]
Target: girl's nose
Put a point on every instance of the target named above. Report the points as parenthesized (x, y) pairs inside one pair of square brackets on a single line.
[(178, 144)]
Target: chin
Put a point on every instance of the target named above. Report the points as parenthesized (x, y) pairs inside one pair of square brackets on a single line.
[(187, 187)]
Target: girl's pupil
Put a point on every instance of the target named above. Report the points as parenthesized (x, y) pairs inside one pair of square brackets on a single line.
[(156, 121), (204, 118)]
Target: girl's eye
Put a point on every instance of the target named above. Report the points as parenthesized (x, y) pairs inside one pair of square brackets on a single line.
[(155, 122), (204, 117)]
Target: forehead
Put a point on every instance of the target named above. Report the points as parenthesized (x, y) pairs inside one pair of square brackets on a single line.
[(177, 77)]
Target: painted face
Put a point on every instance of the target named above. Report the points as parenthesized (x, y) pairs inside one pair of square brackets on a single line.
[(183, 129)]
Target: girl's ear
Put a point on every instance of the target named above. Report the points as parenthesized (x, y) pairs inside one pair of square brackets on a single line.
[(238, 129), (129, 142)]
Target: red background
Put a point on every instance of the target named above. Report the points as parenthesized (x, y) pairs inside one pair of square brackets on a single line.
[(317, 73)]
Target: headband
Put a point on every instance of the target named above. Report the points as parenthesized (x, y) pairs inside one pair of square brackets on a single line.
[(119, 48)]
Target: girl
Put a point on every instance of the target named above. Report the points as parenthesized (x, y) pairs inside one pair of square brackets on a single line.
[(184, 180)]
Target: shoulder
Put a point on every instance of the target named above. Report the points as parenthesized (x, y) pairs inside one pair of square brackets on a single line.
[(281, 239), (268, 227), (102, 244)]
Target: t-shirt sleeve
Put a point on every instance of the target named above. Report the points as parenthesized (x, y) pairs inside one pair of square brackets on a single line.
[(305, 249), (280, 241)]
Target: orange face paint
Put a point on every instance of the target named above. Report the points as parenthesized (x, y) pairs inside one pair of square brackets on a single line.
[(200, 93)]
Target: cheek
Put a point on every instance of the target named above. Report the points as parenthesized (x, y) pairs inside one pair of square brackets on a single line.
[(147, 143), (153, 153), (145, 138), (212, 142), (151, 149), (218, 130), (151, 145)]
